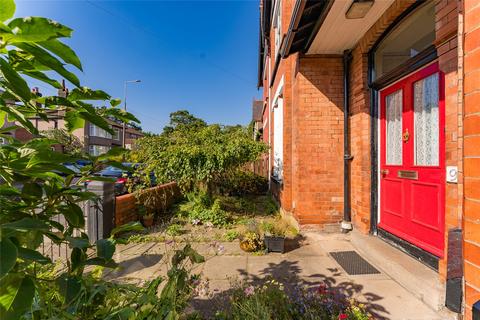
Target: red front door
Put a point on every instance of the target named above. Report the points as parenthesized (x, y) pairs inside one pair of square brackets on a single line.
[(412, 159)]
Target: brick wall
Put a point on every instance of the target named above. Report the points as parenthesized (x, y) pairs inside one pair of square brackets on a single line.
[(471, 221), (446, 26), (317, 139), (360, 166), (126, 208)]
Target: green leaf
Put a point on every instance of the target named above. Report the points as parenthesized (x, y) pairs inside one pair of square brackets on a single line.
[(46, 59), (32, 190), (131, 226), (14, 81), (42, 77), (115, 102), (16, 296), (34, 29), (85, 93), (77, 258), (76, 242), (69, 287), (73, 120), (120, 114), (32, 255), (74, 215), (97, 261), (9, 256), (63, 51), (96, 120), (7, 9), (193, 255), (105, 248), (55, 102), (26, 224)]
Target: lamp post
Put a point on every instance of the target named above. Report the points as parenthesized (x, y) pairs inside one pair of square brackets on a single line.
[(124, 135)]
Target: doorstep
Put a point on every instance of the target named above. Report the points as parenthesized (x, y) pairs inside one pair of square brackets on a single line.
[(421, 281)]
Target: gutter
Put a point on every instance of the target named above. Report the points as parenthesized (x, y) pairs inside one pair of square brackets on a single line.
[(347, 157), (292, 28)]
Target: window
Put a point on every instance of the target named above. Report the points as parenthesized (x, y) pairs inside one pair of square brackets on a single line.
[(427, 131), (277, 24), (410, 37), (116, 134), (95, 131), (393, 118), (96, 150), (278, 139)]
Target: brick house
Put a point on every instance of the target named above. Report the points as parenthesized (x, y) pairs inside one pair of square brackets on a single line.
[(95, 140), (372, 112)]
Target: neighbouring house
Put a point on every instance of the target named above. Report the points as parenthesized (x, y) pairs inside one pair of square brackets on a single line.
[(257, 113), (372, 112), (95, 140)]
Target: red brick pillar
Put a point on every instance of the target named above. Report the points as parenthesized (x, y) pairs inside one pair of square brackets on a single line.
[(471, 244)]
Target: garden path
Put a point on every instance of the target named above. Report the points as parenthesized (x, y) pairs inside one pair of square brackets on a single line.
[(306, 262)]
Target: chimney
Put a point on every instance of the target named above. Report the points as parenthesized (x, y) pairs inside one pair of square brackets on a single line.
[(63, 92), (36, 91)]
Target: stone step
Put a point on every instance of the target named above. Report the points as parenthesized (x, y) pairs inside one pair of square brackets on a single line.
[(423, 282)]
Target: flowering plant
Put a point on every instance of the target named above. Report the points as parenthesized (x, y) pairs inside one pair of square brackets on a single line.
[(271, 301)]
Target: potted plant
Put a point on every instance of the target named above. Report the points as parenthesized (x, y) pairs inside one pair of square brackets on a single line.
[(250, 242), (147, 217), (274, 238)]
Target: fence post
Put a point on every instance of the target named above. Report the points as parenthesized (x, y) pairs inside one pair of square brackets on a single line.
[(101, 213)]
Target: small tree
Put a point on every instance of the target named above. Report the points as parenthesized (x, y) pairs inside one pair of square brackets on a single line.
[(33, 196), (195, 154)]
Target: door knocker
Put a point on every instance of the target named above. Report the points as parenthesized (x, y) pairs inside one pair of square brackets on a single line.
[(406, 136)]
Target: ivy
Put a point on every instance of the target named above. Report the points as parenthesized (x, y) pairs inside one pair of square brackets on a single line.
[(195, 154)]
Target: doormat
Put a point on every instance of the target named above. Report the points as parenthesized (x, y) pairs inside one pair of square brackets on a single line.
[(353, 263)]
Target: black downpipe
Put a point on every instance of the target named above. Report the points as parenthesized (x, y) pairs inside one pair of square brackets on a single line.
[(347, 157)]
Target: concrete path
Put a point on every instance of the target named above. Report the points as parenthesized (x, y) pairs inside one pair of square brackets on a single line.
[(307, 262)]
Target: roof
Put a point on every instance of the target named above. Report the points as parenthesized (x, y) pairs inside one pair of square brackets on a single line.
[(257, 110), (264, 36), (307, 17)]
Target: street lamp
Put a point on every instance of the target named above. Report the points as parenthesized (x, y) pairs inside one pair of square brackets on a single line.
[(125, 108)]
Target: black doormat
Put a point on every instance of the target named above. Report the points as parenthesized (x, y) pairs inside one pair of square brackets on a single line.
[(353, 263)]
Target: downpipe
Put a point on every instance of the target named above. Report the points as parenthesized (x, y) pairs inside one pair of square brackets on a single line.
[(347, 157)]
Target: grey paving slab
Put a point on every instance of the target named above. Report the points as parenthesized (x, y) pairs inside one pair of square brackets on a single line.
[(305, 263), (386, 299), (225, 267)]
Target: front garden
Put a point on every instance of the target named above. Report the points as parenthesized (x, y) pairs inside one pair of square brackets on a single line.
[(222, 202)]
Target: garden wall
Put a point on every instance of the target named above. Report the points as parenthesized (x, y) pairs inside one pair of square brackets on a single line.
[(163, 196)]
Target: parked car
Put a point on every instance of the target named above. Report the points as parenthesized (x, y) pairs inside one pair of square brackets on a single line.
[(122, 176)]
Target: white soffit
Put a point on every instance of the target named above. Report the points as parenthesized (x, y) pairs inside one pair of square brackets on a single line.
[(338, 33)]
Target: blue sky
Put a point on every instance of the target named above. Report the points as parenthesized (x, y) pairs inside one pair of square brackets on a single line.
[(194, 55)]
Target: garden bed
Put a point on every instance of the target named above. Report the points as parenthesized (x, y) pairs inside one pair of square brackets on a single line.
[(234, 216)]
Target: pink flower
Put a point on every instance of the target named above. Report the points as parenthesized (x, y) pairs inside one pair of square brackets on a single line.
[(342, 316), (250, 290), (322, 289)]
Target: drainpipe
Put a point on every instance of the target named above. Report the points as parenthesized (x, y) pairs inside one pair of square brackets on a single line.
[(347, 157)]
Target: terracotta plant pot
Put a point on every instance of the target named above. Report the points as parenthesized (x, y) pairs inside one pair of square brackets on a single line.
[(147, 221)]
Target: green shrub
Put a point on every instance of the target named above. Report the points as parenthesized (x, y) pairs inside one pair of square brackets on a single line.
[(231, 235), (174, 230), (93, 298), (239, 182), (201, 208)]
